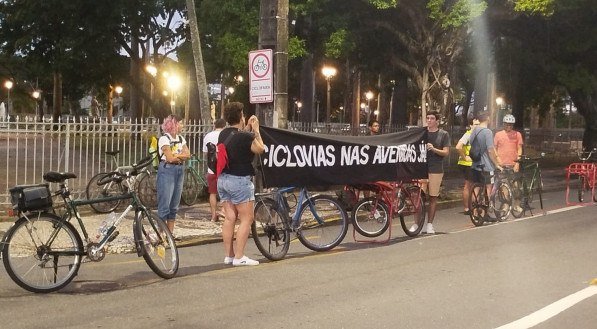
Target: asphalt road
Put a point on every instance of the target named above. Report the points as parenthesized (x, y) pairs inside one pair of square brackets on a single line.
[(462, 277)]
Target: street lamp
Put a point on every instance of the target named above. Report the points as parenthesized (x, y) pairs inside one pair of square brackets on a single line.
[(8, 84), (499, 101), (118, 90), (174, 83), (36, 95), (369, 95), (328, 72)]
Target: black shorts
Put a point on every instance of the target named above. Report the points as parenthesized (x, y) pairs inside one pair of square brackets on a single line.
[(478, 177), (466, 172)]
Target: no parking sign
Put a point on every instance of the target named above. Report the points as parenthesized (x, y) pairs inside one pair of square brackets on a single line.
[(261, 87)]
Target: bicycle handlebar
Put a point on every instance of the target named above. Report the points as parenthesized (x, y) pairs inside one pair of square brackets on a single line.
[(588, 153)]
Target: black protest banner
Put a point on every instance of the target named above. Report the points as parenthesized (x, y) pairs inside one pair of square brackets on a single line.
[(306, 159)]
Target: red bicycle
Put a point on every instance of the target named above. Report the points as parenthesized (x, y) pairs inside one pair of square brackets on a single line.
[(372, 216), (585, 173)]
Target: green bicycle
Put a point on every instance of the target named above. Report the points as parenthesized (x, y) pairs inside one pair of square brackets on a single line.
[(195, 184)]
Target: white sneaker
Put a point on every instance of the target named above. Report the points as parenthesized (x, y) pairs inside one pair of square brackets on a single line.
[(244, 261), (430, 229), (414, 227), (228, 260)]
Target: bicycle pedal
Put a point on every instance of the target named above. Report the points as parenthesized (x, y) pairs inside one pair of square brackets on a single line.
[(114, 235)]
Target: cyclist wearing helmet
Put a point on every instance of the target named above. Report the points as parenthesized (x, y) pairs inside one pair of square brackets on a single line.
[(508, 144)]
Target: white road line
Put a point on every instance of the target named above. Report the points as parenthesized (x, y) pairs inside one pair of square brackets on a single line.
[(551, 310)]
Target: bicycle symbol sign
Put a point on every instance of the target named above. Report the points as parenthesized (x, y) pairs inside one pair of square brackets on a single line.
[(261, 88), (260, 65)]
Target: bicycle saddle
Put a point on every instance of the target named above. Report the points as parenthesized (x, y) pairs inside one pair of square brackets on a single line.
[(57, 177), (112, 152)]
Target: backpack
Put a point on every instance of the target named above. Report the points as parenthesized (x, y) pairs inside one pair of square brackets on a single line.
[(477, 150), (222, 155), (212, 157)]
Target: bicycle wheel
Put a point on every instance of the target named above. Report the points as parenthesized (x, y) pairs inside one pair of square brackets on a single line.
[(502, 202), (147, 191), (95, 190), (518, 205), (323, 223), (190, 188), (270, 230), (478, 204), (371, 217), (42, 253), (412, 218), (582, 188), (157, 244), (540, 189)]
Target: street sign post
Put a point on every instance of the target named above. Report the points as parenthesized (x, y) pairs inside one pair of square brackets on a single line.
[(261, 86)]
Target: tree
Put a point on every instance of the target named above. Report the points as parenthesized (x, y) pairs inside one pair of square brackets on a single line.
[(50, 35), (557, 47), (198, 60)]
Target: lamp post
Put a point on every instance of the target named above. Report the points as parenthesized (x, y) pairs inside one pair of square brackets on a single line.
[(499, 101), (36, 94), (173, 84), (8, 85), (328, 72), (153, 71), (118, 90), (369, 95)]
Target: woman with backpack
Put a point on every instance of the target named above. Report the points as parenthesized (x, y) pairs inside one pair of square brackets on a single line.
[(237, 193), (173, 152)]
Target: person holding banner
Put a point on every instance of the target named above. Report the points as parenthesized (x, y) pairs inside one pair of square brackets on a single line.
[(236, 190), (438, 147), (373, 128)]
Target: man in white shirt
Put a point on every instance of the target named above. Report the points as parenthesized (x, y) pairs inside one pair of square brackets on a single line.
[(212, 183)]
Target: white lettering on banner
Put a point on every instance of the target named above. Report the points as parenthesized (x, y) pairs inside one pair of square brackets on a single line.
[(351, 155)]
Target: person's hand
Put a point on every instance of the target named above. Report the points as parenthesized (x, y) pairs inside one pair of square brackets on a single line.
[(253, 124), (429, 146), (516, 166), (468, 158)]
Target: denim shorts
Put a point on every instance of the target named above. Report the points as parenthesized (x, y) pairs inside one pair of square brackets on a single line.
[(236, 189)]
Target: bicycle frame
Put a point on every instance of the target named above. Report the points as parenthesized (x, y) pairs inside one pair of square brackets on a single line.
[(294, 220)]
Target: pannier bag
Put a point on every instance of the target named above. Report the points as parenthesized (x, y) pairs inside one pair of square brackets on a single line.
[(31, 197)]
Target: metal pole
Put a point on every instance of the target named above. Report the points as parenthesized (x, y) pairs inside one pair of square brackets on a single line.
[(328, 102)]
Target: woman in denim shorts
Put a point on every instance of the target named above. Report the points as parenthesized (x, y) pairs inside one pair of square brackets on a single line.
[(235, 187)]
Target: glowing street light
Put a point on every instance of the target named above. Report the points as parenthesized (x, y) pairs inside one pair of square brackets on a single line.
[(328, 72), (174, 83), (8, 85), (369, 95), (36, 94), (151, 70)]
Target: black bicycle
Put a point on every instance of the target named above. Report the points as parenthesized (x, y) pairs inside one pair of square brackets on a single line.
[(42, 251), (525, 185)]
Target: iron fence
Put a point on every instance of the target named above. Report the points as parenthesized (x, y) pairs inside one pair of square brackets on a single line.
[(28, 149)]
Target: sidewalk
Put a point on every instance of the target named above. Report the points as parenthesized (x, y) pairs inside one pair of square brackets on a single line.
[(193, 226)]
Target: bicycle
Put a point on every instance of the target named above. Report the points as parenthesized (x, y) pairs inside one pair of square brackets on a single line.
[(372, 216), (526, 184), (499, 202), (42, 252), (319, 222), (109, 187), (195, 184), (586, 173)]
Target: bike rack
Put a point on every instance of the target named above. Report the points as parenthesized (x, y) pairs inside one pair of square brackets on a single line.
[(587, 170)]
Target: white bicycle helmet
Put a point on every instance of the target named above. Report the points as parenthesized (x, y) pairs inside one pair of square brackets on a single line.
[(509, 118)]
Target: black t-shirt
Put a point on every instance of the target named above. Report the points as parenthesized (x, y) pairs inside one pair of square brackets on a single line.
[(240, 157)]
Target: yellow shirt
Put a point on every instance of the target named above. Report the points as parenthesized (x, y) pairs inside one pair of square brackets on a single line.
[(466, 147)]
